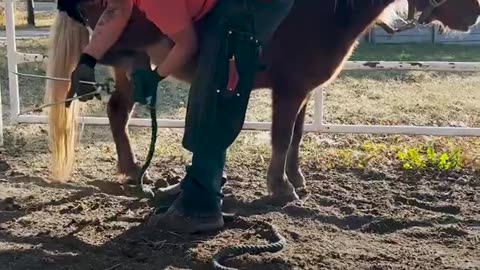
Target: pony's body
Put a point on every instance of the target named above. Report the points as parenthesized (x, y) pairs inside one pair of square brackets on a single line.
[(343, 27), (307, 51)]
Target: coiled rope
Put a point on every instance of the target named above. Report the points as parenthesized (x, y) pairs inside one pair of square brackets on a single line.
[(238, 250)]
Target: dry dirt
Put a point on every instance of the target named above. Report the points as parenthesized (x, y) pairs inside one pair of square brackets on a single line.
[(353, 219)]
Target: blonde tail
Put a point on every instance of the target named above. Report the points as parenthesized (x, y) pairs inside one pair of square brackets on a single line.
[(67, 40)]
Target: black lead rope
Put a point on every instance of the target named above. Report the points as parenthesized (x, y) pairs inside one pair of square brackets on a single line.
[(238, 250), (151, 151), (226, 253)]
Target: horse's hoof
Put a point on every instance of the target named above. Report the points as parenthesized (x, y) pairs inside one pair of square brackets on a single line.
[(134, 179), (297, 179), (133, 176), (283, 199), (281, 190)]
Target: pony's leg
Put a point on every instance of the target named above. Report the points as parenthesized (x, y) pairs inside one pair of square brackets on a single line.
[(294, 173), (285, 111), (119, 108)]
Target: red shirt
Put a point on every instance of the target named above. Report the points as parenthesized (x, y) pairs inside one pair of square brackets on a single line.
[(172, 16)]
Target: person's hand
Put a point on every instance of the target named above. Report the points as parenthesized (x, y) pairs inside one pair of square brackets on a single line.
[(85, 71), (145, 85)]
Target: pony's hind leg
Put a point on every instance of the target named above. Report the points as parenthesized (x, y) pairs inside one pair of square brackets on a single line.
[(119, 108), (294, 173), (285, 110)]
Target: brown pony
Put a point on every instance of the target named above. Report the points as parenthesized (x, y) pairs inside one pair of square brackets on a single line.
[(307, 51)]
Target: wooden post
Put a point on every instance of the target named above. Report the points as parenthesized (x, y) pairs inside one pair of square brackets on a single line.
[(30, 13)]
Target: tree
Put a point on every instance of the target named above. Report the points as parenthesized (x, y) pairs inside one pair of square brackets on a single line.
[(31, 13)]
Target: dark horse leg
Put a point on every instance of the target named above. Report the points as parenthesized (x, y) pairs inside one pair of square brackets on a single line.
[(119, 108), (286, 109), (294, 173)]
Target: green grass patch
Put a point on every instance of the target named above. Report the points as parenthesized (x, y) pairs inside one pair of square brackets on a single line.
[(427, 158)]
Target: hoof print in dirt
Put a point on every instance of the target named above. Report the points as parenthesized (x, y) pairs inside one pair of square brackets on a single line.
[(9, 204), (4, 166)]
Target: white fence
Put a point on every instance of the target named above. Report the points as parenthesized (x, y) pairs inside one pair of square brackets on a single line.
[(424, 35), (318, 125)]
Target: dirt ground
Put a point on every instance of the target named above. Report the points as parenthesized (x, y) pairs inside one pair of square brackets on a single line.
[(353, 219)]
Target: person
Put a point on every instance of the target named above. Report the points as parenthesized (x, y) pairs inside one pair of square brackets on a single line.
[(179, 28), (108, 29), (232, 31), (235, 31)]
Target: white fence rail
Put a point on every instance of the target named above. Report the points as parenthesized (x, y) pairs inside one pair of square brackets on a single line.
[(15, 58), (424, 34)]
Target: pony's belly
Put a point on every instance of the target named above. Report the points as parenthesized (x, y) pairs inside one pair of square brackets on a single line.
[(139, 33)]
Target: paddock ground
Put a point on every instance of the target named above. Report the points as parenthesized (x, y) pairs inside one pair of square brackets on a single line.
[(367, 210)]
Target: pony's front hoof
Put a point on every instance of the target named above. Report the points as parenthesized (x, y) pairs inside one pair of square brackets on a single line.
[(296, 178), (134, 179), (132, 176), (282, 193), (280, 189), (283, 198)]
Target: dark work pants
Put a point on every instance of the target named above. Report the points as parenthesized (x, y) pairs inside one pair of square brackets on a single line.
[(213, 121)]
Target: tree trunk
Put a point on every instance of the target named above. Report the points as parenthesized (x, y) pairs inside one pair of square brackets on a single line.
[(31, 13)]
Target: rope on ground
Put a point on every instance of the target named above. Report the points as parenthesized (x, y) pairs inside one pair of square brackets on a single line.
[(151, 152), (238, 250)]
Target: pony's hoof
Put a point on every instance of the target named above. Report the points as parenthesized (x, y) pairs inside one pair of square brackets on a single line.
[(282, 192), (297, 179), (283, 198), (134, 178)]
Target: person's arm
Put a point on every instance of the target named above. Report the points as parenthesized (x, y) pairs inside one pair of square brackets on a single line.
[(109, 27), (184, 48)]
